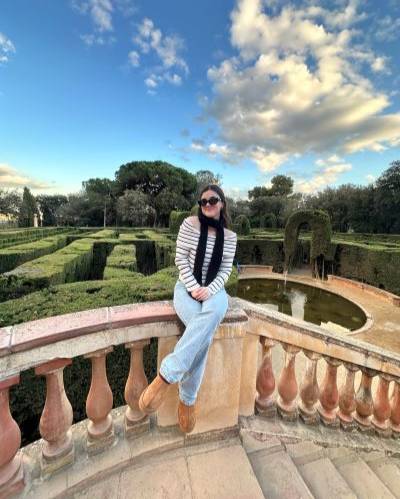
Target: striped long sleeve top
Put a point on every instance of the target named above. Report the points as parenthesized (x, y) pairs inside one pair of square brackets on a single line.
[(186, 246)]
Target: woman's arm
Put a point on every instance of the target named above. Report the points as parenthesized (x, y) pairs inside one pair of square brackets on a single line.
[(185, 237), (225, 268)]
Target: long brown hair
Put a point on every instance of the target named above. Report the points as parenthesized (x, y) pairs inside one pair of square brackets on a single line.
[(217, 189)]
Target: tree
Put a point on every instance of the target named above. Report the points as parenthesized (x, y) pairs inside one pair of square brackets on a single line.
[(205, 177), (387, 199), (101, 193), (74, 211), (10, 202), (134, 207), (27, 210), (282, 185), (258, 192), (49, 205)]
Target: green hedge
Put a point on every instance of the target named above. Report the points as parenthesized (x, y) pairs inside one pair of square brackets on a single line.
[(121, 263), (13, 237), (175, 220), (320, 224), (241, 225), (72, 263), (17, 255)]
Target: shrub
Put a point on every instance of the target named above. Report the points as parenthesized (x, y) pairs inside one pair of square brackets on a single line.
[(241, 225), (175, 220)]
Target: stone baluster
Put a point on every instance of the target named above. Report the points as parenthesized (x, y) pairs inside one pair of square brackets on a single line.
[(309, 390), (347, 398), (364, 405), (99, 404), (11, 467), (135, 420), (395, 410), (329, 396), (265, 385), (287, 385), (382, 409), (56, 419)]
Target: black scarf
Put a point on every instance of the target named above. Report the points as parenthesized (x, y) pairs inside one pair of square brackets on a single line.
[(218, 249)]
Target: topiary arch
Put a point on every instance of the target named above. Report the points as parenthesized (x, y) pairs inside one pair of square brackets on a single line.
[(321, 229)]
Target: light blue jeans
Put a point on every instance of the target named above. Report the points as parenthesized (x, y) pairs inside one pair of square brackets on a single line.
[(186, 364)]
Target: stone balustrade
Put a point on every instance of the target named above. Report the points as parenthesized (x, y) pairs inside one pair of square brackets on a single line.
[(239, 378)]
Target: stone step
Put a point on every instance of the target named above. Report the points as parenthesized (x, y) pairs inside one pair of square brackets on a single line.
[(318, 472), (359, 476), (277, 475), (387, 469)]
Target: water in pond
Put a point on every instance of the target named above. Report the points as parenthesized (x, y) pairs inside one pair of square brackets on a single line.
[(303, 302)]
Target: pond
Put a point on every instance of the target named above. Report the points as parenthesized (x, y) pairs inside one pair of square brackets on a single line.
[(307, 303)]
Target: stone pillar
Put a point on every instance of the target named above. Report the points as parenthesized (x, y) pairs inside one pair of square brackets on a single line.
[(56, 419), (217, 405), (309, 390), (329, 396), (11, 467), (136, 421), (99, 404), (287, 385), (382, 410), (265, 401), (395, 410), (347, 398), (364, 405)]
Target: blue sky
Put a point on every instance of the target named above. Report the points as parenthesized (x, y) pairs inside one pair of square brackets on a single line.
[(245, 88)]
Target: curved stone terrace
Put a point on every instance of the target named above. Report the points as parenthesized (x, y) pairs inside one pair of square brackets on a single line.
[(381, 307), (264, 429)]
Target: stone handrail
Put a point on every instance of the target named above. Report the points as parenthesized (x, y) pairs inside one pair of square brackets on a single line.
[(50, 344), (364, 409)]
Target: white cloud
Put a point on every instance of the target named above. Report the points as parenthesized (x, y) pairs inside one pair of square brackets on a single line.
[(6, 48), (168, 50), (388, 29), (101, 14), (12, 178), (134, 58), (327, 173), (298, 85)]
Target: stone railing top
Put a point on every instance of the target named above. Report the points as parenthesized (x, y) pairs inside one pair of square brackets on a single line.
[(34, 334), (296, 332)]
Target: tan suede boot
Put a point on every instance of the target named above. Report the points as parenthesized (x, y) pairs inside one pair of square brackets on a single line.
[(186, 417), (153, 396)]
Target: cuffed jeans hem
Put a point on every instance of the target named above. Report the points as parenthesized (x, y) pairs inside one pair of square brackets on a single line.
[(166, 376), (186, 400)]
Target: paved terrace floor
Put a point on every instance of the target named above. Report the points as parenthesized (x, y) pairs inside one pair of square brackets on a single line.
[(261, 458)]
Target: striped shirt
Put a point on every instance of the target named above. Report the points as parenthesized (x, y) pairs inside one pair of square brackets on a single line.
[(186, 247)]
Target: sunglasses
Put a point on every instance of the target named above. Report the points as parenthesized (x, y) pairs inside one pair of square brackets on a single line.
[(213, 201)]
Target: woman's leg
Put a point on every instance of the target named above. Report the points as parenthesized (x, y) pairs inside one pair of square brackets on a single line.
[(186, 308), (191, 381), (190, 352)]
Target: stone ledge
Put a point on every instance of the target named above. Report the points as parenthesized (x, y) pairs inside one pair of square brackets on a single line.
[(124, 452)]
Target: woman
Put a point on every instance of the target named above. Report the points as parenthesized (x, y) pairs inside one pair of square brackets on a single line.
[(205, 249)]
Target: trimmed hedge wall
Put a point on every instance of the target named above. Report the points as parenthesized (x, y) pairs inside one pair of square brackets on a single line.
[(72, 263), (320, 224), (13, 256), (121, 263), (13, 237)]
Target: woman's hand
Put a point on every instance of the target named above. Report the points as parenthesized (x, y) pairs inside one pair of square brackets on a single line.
[(201, 294)]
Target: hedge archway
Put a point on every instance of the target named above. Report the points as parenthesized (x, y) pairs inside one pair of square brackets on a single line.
[(321, 229)]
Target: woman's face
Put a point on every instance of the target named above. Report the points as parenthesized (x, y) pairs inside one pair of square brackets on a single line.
[(212, 211)]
